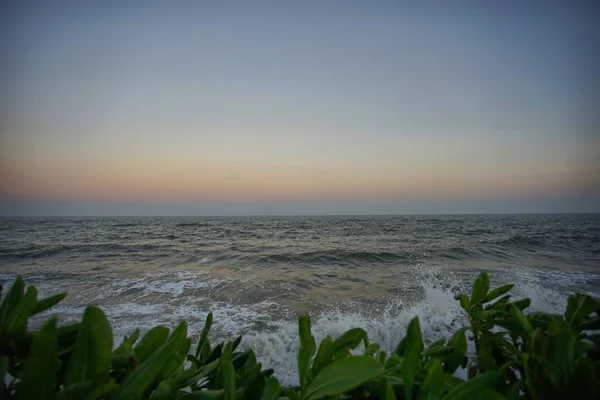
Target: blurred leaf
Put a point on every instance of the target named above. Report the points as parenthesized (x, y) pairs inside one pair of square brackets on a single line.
[(272, 389), (16, 322), (203, 348), (76, 391), (227, 372), (464, 302), (151, 342), (215, 354), (480, 288), (498, 305), (292, 395), (236, 343), (385, 391), (306, 351), (167, 388), (372, 349), (204, 395), (521, 319), (431, 388), (437, 351), (412, 355), (562, 355), (488, 394), (458, 342), (522, 304), (469, 389), (91, 358), (13, 296), (347, 341), (343, 375), (579, 306), (584, 384), (143, 377), (244, 360), (451, 381), (48, 302), (499, 291), (177, 358), (322, 351), (541, 320), (39, 380), (126, 346)]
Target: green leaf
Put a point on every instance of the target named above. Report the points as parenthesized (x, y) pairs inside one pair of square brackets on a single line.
[(292, 395), (431, 388), (522, 304), (167, 388), (464, 302), (338, 348), (126, 346), (236, 343), (176, 359), (79, 390), (306, 350), (204, 395), (469, 389), (227, 372), (372, 349), (451, 381), (521, 319), (343, 375), (385, 391), (143, 377), (325, 343), (437, 351), (541, 319), (39, 380), (488, 394), (499, 291), (203, 346), (412, 355), (480, 287), (91, 357), (151, 342), (16, 322), (498, 305), (14, 295), (272, 389), (562, 343), (48, 302), (579, 306), (458, 342)]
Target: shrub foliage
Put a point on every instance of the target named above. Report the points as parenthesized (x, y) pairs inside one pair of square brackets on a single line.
[(516, 356)]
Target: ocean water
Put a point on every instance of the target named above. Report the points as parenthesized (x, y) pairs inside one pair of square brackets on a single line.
[(257, 274)]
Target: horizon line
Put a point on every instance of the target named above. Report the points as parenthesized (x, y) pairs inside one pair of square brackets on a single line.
[(299, 215)]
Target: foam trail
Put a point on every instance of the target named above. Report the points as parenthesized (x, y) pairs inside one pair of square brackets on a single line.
[(438, 312)]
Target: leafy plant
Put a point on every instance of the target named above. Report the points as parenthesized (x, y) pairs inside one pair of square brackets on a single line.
[(517, 356)]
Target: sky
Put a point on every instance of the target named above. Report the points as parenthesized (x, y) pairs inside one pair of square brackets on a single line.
[(287, 107)]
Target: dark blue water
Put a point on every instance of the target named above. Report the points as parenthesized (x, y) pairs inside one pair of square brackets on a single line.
[(257, 273)]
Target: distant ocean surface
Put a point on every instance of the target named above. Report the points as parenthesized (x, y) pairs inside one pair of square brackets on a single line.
[(258, 273)]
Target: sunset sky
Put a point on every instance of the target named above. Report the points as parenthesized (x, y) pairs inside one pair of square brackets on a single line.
[(306, 107)]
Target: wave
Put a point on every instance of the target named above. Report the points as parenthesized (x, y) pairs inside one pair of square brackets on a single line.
[(335, 257), (521, 239)]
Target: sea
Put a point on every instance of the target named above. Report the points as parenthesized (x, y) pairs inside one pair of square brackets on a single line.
[(258, 274)]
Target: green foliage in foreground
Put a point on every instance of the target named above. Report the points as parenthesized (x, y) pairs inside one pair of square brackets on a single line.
[(518, 356)]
